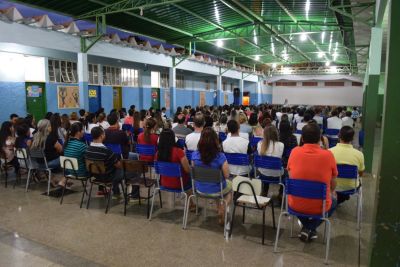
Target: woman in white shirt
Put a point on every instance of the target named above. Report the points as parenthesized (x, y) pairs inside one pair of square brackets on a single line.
[(270, 146), (102, 121), (90, 122)]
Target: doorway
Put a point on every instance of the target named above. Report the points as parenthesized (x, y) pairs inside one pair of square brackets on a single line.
[(94, 98), (36, 99), (246, 99), (155, 98), (117, 97)]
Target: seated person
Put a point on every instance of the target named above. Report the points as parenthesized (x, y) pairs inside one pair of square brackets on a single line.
[(169, 151), (209, 155), (23, 139), (311, 162), (244, 126), (90, 122), (148, 137), (181, 129), (347, 120), (270, 146), (116, 136), (236, 144), (7, 145), (74, 147), (192, 139), (221, 125), (97, 151), (288, 139), (334, 122), (344, 153)]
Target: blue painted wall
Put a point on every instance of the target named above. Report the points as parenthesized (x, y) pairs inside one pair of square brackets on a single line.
[(52, 100), (12, 99), (130, 96), (107, 98)]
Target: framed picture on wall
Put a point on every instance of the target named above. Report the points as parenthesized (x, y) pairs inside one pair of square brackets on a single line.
[(67, 97)]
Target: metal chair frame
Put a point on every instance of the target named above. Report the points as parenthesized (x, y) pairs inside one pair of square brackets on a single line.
[(238, 159), (34, 155)]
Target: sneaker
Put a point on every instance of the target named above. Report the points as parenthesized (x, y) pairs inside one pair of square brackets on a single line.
[(304, 233), (313, 235)]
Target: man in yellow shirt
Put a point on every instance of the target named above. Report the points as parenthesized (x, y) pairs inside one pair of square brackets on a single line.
[(344, 153)]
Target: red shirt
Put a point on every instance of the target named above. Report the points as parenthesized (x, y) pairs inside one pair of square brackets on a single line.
[(153, 141), (311, 162), (172, 182)]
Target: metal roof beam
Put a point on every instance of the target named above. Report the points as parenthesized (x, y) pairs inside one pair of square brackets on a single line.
[(126, 5), (251, 16)]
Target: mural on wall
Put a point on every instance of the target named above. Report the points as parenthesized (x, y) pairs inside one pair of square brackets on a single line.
[(68, 96), (167, 99), (202, 101)]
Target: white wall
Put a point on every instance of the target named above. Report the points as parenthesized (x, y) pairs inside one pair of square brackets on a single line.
[(347, 95)]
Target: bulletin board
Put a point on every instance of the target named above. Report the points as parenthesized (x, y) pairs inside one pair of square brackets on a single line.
[(68, 97)]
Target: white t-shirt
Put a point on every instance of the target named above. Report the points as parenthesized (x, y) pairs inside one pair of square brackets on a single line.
[(192, 140), (319, 119), (236, 144), (274, 150), (347, 121), (299, 127), (334, 123), (90, 127), (298, 118), (104, 124), (243, 135), (279, 116)]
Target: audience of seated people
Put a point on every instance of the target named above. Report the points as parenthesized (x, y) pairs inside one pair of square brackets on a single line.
[(152, 127)]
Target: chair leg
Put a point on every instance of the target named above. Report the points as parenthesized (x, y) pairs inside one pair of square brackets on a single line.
[(291, 225), (328, 240), (244, 214), (90, 195), (273, 215), (232, 219), (226, 218), (263, 227), (28, 180), (148, 202), (197, 205), (152, 202), (63, 191), (109, 196), (48, 183), (277, 231), (173, 202), (159, 194), (83, 193), (185, 209), (6, 175), (359, 208)]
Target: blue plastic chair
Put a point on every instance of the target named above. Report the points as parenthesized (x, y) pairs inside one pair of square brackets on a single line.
[(222, 136), (88, 138), (181, 142), (127, 128), (189, 154), (238, 159), (351, 172), (308, 190), (171, 170), (298, 131), (254, 141), (116, 148), (60, 141), (147, 150), (332, 135)]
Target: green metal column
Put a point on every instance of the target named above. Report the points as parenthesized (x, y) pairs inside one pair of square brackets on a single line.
[(386, 234), (371, 95)]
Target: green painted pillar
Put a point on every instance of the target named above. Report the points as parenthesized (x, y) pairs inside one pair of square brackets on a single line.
[(386, 229), (371, 95)]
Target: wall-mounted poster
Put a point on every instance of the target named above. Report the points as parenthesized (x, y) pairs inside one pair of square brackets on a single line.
[(167, 99), (34, 91), (202, 99), (68, 96)]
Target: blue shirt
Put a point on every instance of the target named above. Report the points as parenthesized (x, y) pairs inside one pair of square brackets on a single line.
[(209, 188)]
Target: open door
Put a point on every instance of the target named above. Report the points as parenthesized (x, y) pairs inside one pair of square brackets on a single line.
[(117, 98), (94, 98), (36, 99), (246, 99), (155, 98)]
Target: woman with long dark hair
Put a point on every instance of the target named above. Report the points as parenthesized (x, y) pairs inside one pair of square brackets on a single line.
[(90, 122), (169, 151), (75, 148), (209, 155), (7, 144), (288, 139), (56, 129)]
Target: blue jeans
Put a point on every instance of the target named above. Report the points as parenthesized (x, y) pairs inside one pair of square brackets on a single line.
[(312, 224), (54, 164)]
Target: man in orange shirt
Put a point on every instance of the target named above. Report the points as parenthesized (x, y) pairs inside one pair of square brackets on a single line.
[(311, 162)]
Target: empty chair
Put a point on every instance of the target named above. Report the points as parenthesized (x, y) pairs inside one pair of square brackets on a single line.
[(306, 189), (250, 197), (350, 172), (70, 170), (171, 170), (146, 152), (135, 175)]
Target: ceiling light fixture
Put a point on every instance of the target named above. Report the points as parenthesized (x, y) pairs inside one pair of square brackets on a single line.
[(303, 37), (327, 64), (321, 54), (274, 65), (220, 43), (257, 57)]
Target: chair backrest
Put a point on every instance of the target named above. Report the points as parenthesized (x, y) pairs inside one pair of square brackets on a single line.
[(254, 141), (137, 166), (181, 142), (127, 128), (37, 153), (347, 171), (237, 159), (206, 175), (116, 148), (140, 130), (189, 154), (267, 162), (146, 150), (88, 138), (21, 154), (168, 169), (69, 163), (244, 185), (306, 189), (95, 167), (332, 131), (222, 136), (60, 141), (298, 131)]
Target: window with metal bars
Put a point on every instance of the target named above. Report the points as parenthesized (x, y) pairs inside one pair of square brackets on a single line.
[(93, 70), (180, 81), (164, 80), (62, 71)]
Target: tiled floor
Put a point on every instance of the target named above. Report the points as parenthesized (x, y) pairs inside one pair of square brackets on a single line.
[(36, 230)]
